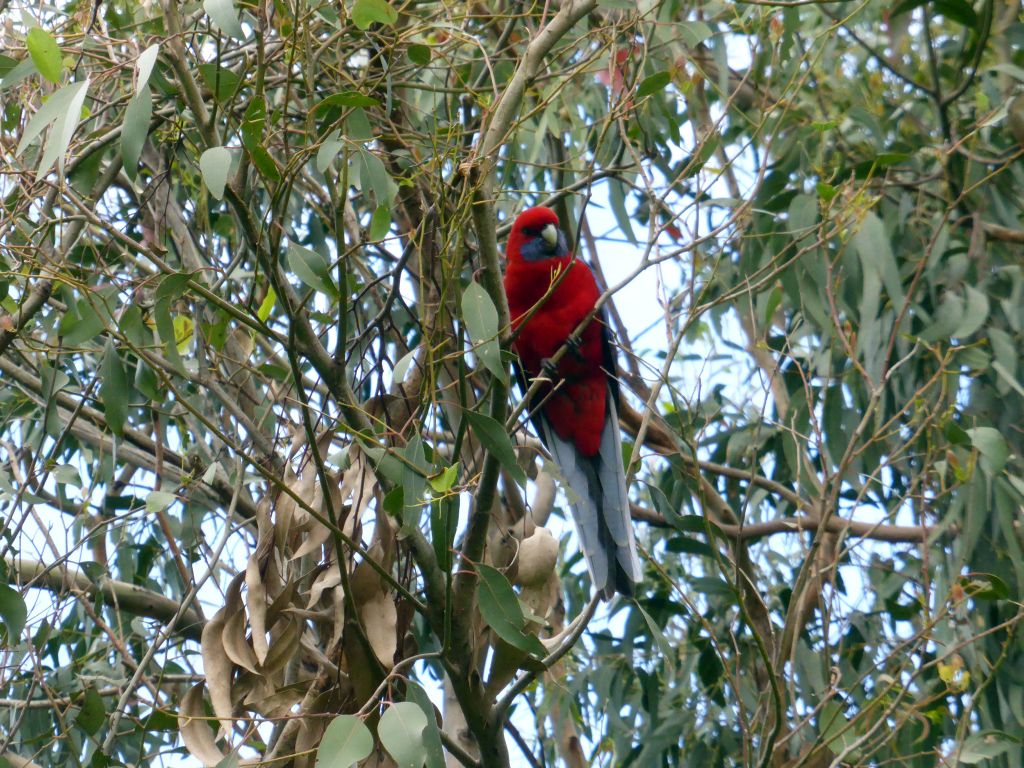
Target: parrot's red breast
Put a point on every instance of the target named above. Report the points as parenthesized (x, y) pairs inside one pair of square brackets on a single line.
[(550, 294), (576, 411)]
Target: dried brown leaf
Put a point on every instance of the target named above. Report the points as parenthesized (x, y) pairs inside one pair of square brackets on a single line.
[(256, 602), (195, 731), (283, 644), (328, 578), (537, 558), (233, 636), (380, 621), (218, 669)]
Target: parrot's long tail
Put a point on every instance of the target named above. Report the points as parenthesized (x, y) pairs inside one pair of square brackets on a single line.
[(601, 509)]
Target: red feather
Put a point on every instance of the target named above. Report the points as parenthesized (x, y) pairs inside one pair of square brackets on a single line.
[(549, 294)]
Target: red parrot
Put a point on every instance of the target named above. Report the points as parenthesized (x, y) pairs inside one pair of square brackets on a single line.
[(576, 414)]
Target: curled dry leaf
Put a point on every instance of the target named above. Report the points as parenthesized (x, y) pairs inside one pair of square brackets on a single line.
[(233, 636), (358, 484), (328, 578), (311, 731), (288, 513), (195, 732), (540, 599), (538, 555), (316, 536), (256, 601), (218, 669), (380, 621), (256, 572), (283, 644)]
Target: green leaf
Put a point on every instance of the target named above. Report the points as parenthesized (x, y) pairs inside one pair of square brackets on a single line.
[(82, 324), (617, 198), (346, 741), (224, 14), (443, 482), (215, 164), (45, 54), (346, 99), (311, 268), (664, 646), (984, 586), (6, 65), (13, 612), (481, 319), (114, 389), (144, 66), (431, 734), (500, 608), (222, 81), (401, 369), (414, 480), (366, 12), (992, 447), (835, 729), (878, 262), (401, 733), (253, 122), (693, 33), (328, 150), (173, 285), (373, 172), (419, 54), (497, 442), (380, 224), (158, 501), (51, 111), (650, 85), (985, 745), (92, 714), (136, 127), (975, 313), (25, 68), (264, 163), (267, 305), (63, 129)]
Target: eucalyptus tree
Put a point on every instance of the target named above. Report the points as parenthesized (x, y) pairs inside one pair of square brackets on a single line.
[(268, 494)]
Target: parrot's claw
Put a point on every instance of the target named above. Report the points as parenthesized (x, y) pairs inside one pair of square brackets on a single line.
[(548, 369)]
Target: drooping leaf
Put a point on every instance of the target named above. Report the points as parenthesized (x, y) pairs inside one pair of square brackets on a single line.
[(215, 163), (431, 734), (55, 107), (481, 319), (45, 54), (346, 741), (500, 608), (92, 713), (136, 127), (497, 442), (652, 84), (311, 268), (13, 612), (367, 12), (992, 446), (224, 14), (401, 733), (114, 390), (144, 66)]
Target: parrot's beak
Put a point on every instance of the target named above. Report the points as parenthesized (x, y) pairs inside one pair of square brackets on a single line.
[(550, 235)]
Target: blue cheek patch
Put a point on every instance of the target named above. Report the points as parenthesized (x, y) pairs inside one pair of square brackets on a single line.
[(537, 249)]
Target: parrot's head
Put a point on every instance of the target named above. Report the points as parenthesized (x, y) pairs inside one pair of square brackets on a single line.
[(536, 236)]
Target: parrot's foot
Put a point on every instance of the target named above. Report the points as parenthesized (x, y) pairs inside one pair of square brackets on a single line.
[(549, 370), (575, 347)]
